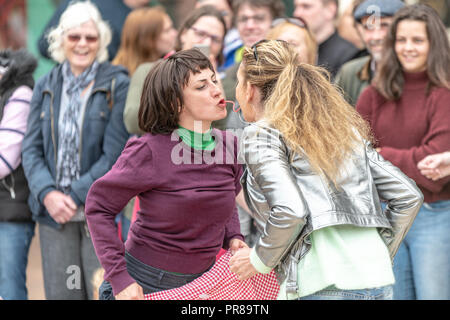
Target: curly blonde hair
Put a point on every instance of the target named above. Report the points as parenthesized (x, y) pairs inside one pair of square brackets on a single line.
[(300, 101)]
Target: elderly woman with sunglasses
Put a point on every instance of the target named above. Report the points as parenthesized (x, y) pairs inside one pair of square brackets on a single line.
[(75, 134)]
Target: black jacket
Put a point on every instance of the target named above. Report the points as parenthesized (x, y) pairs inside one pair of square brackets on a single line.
[(334, 52)]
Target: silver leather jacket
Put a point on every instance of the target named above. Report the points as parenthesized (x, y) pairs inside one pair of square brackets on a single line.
[(289, 201)]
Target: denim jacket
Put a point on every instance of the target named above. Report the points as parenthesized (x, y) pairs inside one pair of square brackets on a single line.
[(289, 200), (103, 135)]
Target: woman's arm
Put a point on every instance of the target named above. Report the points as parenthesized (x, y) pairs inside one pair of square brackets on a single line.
[(12, 130), (401, 193), (130, 175), (233, 226), (40, 180), (266, 159)]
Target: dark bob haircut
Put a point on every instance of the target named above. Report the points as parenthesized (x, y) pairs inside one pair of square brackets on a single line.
[(162, 94)]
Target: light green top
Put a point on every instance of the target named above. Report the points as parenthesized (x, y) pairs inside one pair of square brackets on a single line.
[(346, 256), (196, 140)]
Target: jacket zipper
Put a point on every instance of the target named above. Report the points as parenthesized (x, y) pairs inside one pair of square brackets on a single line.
[(52, 125), (10, 188)]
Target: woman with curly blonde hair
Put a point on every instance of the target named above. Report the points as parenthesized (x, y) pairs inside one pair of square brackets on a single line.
[(314, 184)]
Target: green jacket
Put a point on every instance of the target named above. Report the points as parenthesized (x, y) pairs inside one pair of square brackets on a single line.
[(353, 77), (130, 114)]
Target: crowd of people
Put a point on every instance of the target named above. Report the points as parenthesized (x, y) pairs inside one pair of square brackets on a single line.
[(322, 155)]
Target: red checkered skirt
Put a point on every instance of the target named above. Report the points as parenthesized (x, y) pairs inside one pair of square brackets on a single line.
[(219, 283)]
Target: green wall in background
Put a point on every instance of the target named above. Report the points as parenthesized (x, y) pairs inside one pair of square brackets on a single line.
[(38, 14)]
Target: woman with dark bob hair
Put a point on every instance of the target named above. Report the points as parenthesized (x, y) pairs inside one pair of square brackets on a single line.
[(203, 27), (408, 108), (186, 178)]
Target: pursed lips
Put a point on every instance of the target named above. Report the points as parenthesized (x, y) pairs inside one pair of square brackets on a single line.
[(222, 103)]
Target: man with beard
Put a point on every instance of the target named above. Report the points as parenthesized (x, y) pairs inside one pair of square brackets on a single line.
[(373, 19)]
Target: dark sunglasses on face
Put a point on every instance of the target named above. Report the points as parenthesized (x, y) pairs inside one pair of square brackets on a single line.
[(77, 38)]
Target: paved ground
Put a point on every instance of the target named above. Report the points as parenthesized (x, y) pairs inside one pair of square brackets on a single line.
[(35, 283)]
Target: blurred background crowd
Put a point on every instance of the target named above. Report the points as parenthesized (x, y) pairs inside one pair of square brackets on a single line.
[(337, 35)]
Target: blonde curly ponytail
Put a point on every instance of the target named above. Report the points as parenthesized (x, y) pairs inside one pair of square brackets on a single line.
[(300, 101)]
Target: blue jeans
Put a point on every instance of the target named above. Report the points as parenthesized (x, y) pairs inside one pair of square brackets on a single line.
[(422, 263), (149, 278), (332, 293), (15, 240)]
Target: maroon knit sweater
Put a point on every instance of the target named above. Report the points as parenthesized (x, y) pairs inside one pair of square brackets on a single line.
[(411, 128), (187, 210)]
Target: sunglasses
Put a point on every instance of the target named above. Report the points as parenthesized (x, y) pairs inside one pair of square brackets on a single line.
[(299, 22), (255, 52), (77, 38)]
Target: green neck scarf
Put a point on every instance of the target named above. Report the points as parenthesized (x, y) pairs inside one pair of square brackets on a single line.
[(196, 140)]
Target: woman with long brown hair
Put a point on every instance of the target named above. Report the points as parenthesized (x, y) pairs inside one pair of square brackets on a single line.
[(147, 35), (408, 108), (314, 184)]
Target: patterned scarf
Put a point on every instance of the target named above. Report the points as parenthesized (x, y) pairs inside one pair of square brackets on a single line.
[(68, 168)]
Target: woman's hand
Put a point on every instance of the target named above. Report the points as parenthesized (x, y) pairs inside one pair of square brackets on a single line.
[(236, 244), (60, 206), (435, 166), (240, 264), (132, 292)]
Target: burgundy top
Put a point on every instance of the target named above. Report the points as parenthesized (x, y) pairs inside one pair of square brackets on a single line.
[(187, 205), (409, 129)]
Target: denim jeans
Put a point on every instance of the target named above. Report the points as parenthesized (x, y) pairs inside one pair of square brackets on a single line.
[(68, 261), (15, 240), (149, 278), (422, 263), (332, 293)]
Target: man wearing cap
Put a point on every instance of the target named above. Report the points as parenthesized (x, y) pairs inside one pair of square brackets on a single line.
[(373, 19)]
